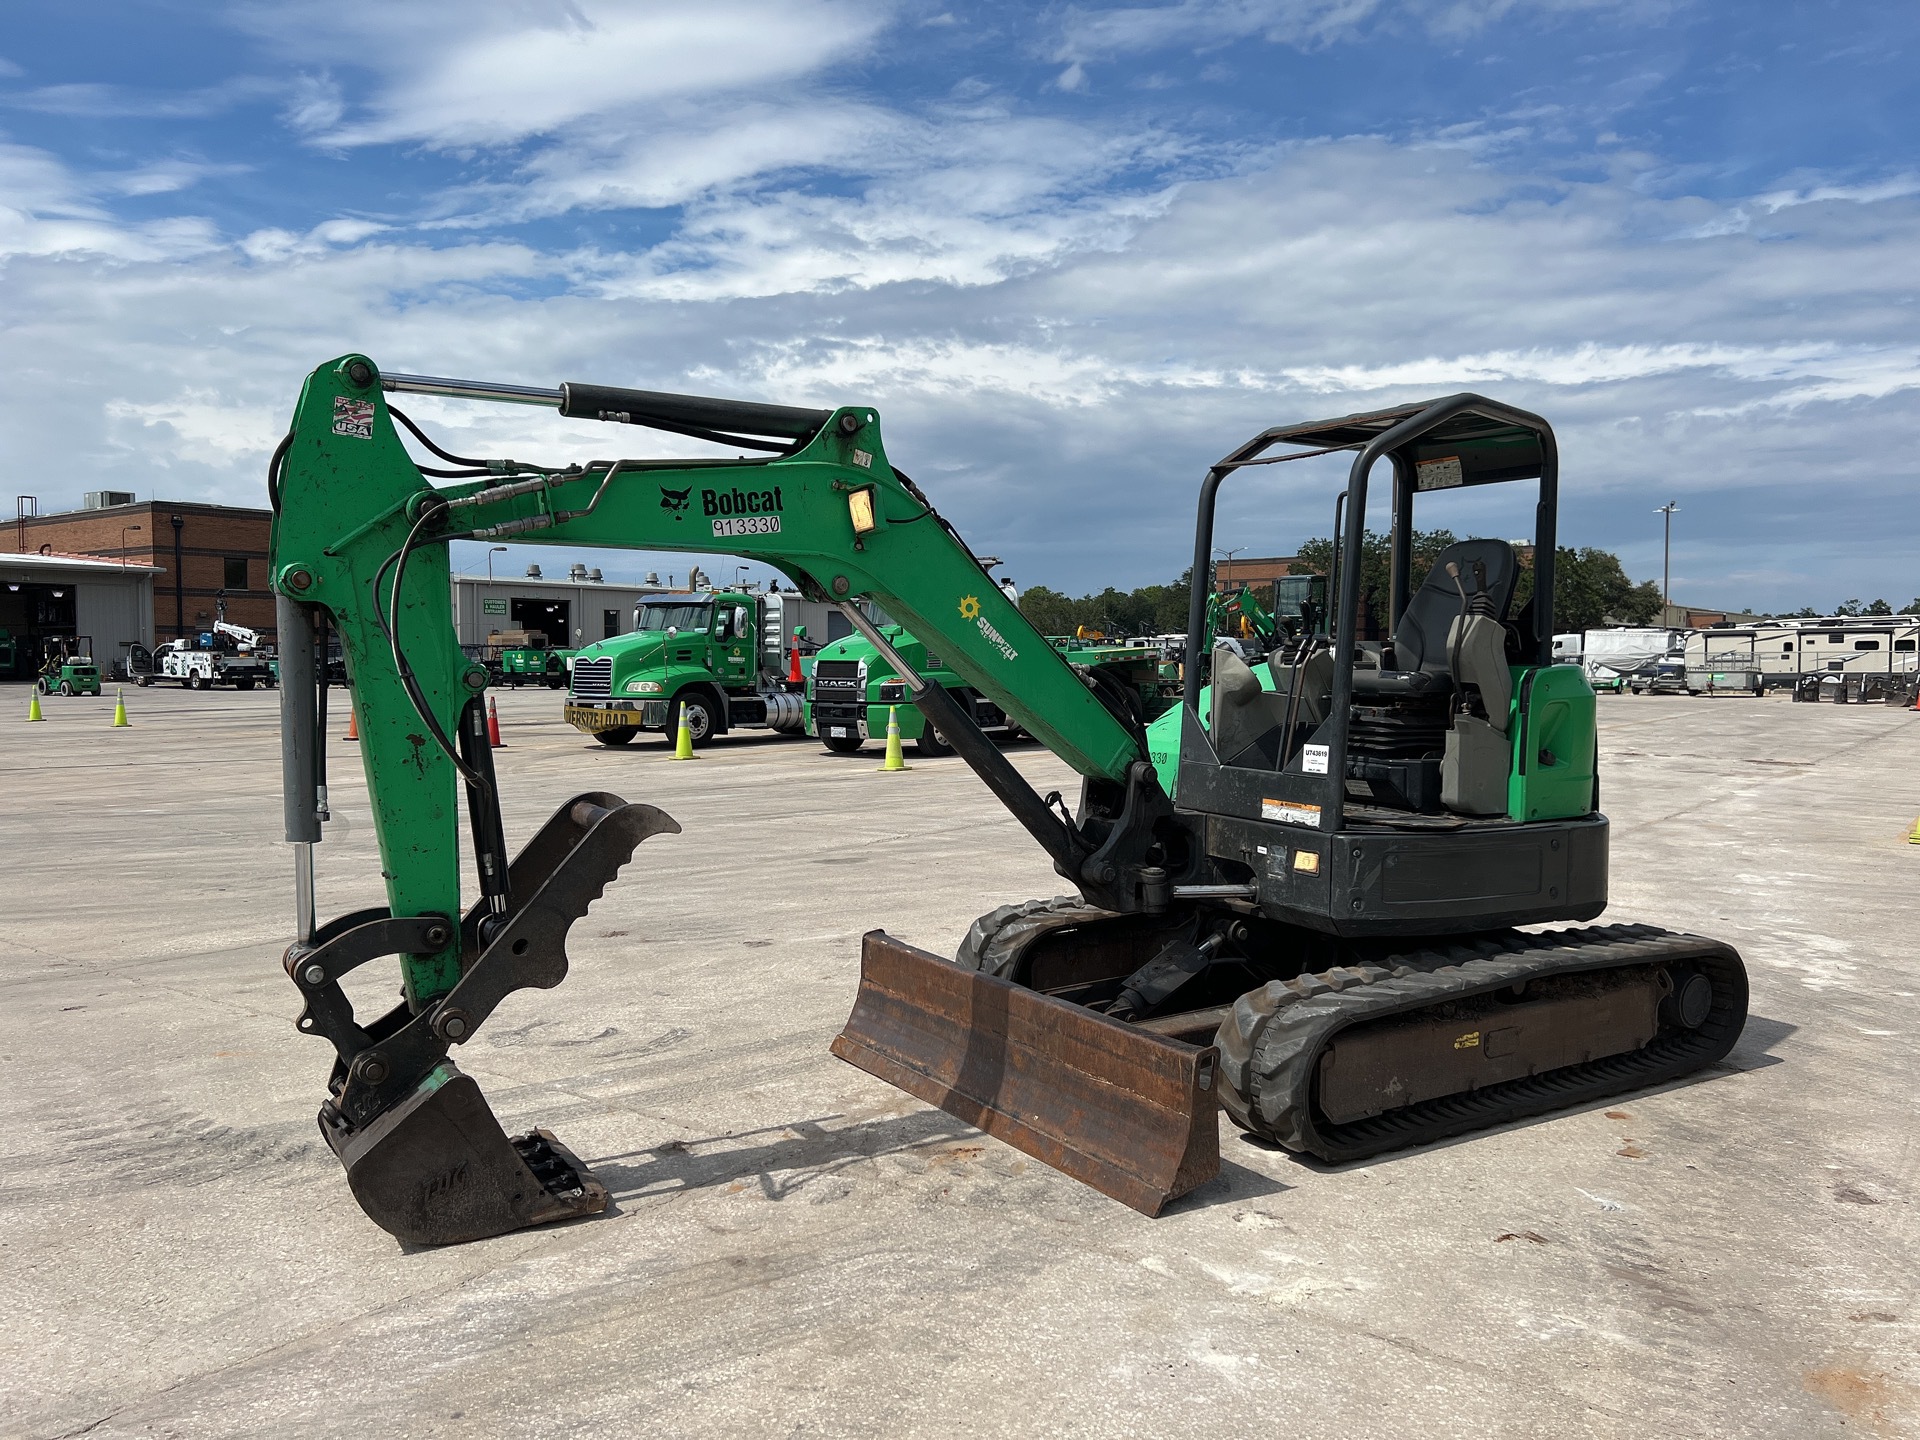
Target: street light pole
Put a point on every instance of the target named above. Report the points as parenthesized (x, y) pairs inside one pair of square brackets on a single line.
[(1666, 561), (1229, 554), (123, 543), (496, 550)]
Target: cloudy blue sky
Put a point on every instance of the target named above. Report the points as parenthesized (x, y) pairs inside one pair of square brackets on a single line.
[(1071, 252)]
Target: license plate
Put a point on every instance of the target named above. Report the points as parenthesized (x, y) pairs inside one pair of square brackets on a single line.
[(836, 732)]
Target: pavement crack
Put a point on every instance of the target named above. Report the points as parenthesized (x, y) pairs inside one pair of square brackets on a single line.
[(90, 1426)]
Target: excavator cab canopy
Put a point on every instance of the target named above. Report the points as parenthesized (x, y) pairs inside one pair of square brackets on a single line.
[(1417, 744)]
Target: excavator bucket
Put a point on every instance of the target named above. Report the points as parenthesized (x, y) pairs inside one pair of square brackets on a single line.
[(1129, 1112), (425, 1157), (437, 1169)]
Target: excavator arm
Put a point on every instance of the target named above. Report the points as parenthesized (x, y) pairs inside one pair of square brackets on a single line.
[(360, 549)]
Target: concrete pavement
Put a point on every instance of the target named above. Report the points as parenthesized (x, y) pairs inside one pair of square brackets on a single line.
[(797, 1249)]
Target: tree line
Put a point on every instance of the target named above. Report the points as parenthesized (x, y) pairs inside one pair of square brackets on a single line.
[(1853, 608), (1592, 590)]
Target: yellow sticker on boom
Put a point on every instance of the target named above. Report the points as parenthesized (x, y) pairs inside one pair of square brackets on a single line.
[(1467, 1041), (969, 607)]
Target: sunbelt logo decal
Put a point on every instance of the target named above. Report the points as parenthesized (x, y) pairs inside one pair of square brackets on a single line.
[(743, 512), (970, 610)]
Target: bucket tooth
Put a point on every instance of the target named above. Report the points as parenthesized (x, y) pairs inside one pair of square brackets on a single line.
[(437, 1169), (1131, 1113)]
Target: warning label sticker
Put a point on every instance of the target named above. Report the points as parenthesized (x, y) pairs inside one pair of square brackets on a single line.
[(1442, 474), (1290, 812)]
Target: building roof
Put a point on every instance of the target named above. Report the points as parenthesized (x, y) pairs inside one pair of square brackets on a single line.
[(550, 582), (58, 562), (190, 505)]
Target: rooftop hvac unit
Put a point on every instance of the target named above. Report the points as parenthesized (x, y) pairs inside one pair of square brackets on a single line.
[(101, 499), (533, 572), (594, 575), (576, 571), (653, 577)]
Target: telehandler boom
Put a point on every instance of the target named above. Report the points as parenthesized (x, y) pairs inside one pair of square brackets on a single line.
[(1318, 936)]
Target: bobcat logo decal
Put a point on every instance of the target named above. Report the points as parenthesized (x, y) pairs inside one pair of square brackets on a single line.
[(675, 500)]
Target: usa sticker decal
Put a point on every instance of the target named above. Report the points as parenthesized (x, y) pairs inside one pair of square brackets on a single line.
[(353, 417)]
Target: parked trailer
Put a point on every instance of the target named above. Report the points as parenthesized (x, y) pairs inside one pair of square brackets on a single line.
[(1784, 653)]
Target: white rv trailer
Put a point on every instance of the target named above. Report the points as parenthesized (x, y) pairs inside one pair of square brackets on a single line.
[(1783, 652)]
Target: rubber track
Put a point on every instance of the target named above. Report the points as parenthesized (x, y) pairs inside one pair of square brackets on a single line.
[(995, 942), (1271, 1043)]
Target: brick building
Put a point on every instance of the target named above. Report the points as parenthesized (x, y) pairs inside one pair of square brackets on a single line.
[(1258, 573), (200, 551)]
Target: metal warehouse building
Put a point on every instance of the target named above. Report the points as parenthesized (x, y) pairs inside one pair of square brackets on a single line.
[(572, 612), (51, 596)]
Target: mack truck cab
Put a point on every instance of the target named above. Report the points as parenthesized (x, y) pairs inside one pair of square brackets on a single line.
[(723, 659), (853, 688)]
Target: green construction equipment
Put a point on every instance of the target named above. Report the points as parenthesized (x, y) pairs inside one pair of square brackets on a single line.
[(1309, 914), (67, 668)]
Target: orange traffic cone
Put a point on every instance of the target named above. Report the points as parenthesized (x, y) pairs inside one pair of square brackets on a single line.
[(793, 670), (493, 725), (353, 726)]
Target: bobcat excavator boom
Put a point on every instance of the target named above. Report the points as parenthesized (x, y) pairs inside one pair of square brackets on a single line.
[(1080, 1029)]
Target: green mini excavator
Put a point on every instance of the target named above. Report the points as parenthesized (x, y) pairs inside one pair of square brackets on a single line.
[(1299, 900)]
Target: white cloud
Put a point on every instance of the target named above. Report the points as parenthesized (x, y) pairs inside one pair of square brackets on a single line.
[(47, 210), (314, 104), (1896, 188), (1201, 25), (204, 424), (92, 101), (497, 73), (1063, 320)]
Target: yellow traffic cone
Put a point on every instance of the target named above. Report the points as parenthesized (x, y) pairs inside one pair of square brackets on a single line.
[(683, 741), (33, 705), (120, 721), (895, 760), (1913, 835)]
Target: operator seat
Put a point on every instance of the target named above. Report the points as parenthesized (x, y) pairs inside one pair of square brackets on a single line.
[(1422, 660)]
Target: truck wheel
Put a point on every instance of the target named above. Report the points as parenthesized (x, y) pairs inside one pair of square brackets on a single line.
[(144, 681), (699, 712), (66, 687), (620, 736), (932, 744), (842, 744), (246, 684)]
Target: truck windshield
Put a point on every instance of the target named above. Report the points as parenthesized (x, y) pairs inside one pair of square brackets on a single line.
[(683, 616)]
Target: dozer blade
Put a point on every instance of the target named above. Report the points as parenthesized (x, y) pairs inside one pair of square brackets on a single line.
[(1131, 1113), (437, 1169)]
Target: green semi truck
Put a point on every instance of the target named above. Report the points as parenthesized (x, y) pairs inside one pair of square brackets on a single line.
[(853, 688), (722, 658)]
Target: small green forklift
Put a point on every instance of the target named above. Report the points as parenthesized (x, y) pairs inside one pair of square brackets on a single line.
[(66, 666)]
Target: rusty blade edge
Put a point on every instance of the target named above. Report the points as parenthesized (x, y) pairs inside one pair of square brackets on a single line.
[(1118, 1109), (1142, 1193)]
